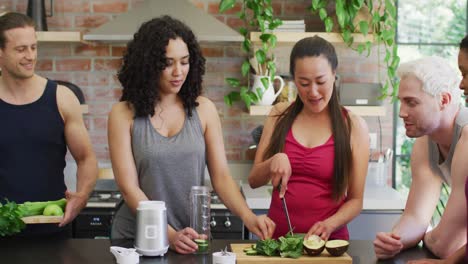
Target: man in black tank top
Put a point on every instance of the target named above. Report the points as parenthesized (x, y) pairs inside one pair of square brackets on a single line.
[(39, 121)]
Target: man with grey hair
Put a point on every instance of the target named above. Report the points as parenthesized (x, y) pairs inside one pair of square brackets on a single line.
[(431, 111)]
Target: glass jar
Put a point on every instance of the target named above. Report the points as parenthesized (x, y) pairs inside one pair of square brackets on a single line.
[(200, 200)]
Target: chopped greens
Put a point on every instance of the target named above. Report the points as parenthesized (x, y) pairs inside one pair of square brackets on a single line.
[(289, 246)]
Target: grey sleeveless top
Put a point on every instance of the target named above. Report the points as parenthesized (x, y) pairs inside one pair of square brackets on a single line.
[(167, 168), (443, 168)]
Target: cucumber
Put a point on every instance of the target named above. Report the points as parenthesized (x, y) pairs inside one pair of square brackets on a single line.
[(201, 241), (251, 252)]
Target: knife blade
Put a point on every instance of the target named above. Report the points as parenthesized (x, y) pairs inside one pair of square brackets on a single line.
[(285, 208)]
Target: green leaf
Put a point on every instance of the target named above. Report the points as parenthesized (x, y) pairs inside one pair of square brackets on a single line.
[(260, 56), (323, 3), (347, 38), (390, 7), (243, 31), (273, 39), (328, 24), (340, 13), (364, 27), (245, 68), (368, 47), (259, 93), (322, 13), (396, 61), (226, 5), (265, 82), (375, 18), (234, 82), (315, 5), (246, 98), (246, 45), (370, 4), (387, 56), (253, 96), (265, 37), (227, 100), (360, 48)]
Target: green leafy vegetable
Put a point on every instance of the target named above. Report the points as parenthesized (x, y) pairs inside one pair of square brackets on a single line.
[(11, 214), (289, 246), (10, 219), (268, 247)]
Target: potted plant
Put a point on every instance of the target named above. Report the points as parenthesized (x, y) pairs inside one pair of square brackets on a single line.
[(380, 20), (257, 15)]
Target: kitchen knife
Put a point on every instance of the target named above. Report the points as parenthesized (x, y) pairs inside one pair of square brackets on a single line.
[(285, 208)]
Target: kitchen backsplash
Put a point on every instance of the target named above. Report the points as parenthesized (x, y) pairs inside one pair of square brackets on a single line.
[(93, 67)]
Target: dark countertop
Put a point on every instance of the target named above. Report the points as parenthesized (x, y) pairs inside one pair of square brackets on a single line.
[(88, 251)]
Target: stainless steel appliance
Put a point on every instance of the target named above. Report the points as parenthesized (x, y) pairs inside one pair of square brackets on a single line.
[(95, 220), (151, 229), (224, 224)]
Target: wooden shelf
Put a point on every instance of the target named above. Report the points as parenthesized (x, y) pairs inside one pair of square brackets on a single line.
[(58, 36), (293, 37), (257, 110)]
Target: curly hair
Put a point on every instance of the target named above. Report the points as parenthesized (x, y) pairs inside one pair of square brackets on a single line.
[(145, 59)]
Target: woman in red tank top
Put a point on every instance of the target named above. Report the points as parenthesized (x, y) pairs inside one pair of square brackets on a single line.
[(315, 149)]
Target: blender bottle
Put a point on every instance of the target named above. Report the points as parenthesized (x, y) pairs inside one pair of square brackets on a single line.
[(200, 200)]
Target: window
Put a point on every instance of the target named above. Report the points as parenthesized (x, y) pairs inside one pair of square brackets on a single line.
[(425, 27)]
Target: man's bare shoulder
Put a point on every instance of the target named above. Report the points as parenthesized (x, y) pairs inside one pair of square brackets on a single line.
[(67, 102)]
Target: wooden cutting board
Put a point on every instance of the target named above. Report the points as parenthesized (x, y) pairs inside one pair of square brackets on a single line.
[(42, 219), (324, 257)]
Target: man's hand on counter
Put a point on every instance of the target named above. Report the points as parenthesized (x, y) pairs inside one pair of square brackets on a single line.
[(387, 245), (75, 203)]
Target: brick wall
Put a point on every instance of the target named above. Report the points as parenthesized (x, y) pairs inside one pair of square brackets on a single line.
[(93, 67)]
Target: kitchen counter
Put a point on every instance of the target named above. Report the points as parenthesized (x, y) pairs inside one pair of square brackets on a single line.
[(90, 251), (375, 198)]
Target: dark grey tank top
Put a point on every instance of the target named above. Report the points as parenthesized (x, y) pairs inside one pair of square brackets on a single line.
[(167, 168), (443, 168)]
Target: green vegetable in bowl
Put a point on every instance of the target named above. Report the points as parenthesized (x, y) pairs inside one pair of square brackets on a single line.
[(11, 214)]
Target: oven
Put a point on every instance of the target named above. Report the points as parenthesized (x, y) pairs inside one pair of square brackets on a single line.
[(95, 220), (224, 224)]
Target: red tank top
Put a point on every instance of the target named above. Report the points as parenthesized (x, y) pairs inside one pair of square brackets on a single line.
[(309, 193)]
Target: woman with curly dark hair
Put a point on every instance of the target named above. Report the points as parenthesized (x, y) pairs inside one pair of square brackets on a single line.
[(163, 134)]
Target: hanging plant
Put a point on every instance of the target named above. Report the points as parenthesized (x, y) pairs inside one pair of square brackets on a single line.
[(382, 23), (257, 15)]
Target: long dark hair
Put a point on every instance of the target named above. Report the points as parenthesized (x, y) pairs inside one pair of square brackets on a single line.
[(341, 124), (145, 59)]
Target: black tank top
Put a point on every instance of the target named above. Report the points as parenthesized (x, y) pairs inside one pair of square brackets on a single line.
[(32, 152)]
